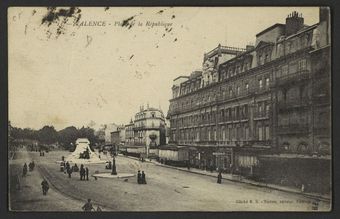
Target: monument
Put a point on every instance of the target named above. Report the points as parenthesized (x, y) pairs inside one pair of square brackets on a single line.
[(83, 154)]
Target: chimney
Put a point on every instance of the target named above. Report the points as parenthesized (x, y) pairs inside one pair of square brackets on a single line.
[(294, 23)]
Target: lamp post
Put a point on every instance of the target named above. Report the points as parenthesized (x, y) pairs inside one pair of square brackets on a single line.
[(114, 171)]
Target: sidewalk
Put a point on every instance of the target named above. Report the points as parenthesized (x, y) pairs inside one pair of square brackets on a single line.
[(241, 179)]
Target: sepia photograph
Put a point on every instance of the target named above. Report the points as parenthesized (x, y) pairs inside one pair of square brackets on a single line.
[(169, 109)]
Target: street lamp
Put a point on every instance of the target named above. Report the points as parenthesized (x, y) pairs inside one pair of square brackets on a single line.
[(114, 171)]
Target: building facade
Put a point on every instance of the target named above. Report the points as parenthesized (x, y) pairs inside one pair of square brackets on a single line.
[(129, 134), (273, 97), (149, 127)]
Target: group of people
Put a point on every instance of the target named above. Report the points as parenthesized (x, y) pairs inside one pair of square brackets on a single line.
[(84, 172), (31, 166), (141, 177), (68, 169), (42, 153)]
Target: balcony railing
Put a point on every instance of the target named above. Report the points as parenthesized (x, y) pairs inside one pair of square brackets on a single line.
[(231, 143), (229, 49), (293, 77), (145, 127), (293, 104), (264, 114)]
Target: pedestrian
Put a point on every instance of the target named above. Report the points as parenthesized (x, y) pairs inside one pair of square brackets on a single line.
[(45, 187), (75, 168), (143, 178), (30, 166), (62, 158), (82, 172), (69, 172), (98, 208), (139, 177), (67, 165), (24, 170), (88, 206), (219, 178), (33, 165), (87, 173)]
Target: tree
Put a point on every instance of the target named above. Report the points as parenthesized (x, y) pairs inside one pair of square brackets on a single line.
[(67, 136), (89, 134), (48, 135)]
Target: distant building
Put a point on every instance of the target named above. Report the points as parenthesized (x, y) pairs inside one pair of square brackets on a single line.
[(149, 127), (129, 134), (122, 134), (108, 129), (115, 138)]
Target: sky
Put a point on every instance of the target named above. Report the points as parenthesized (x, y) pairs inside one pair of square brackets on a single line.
[(63, 74)]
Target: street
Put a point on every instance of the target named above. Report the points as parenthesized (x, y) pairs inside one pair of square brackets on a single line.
[(166, 190)]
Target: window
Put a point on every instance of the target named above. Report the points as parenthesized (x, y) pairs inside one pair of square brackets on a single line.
[(247, 87), (302, 65), (260, 83), (231, 92), (238, 90), (260, 108), (267, 109), (260, 133), (267, 133), (267, 82)]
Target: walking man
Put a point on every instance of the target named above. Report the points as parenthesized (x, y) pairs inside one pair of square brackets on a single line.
[(69, 172), (139, 177), (24, 170), (88, 206), (219, 178), (143, 178), (82, 172), (45, 186), (87, 173)]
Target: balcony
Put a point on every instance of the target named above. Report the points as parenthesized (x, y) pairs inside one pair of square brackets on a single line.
[(144, 127), (293, 78), (261, 115), (292, 104), (225, 49)]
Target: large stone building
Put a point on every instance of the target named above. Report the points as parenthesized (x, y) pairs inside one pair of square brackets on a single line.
[(271, 98), (149, 127)]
